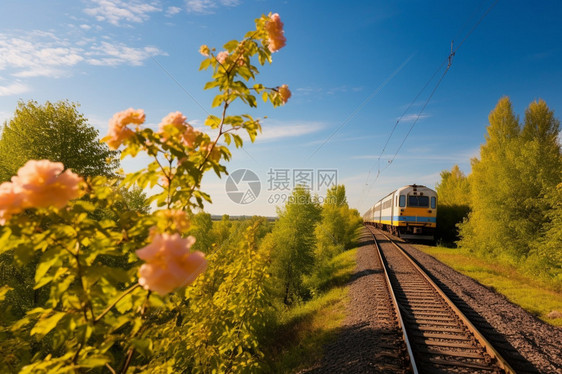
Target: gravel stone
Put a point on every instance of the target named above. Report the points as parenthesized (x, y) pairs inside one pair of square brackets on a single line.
[(528, 344)]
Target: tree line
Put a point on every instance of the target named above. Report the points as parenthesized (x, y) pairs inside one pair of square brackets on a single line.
[(510, 205)]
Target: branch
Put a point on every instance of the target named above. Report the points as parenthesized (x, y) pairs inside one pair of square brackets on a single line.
[(125, 293)]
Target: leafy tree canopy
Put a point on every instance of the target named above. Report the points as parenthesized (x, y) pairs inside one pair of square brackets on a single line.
[(511, 184), (56, 132), (454, 188)]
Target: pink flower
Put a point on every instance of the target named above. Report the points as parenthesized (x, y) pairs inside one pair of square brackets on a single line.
[(285, 93), (169, 263), (118, 132), (222, 56), (274, 28), (43, 183), (127, 117), (10, 201), (116, 136), (175, 118), (189, 136)]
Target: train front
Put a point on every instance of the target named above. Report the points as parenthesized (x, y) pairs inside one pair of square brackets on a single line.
[(417, 212)]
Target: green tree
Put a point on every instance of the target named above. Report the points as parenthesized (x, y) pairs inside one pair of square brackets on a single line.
[(336, 196), (510, 183), (454, 188), (292, 243), (222, 229), (453, 206), (493, 186), (336, 231), (202, 229), (550, 247), (56, 132), (540, 161)]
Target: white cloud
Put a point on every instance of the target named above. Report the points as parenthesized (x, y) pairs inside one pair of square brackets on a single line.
[(413, 117), (207, 6), (42, 54), (113, 54), (272, 132), (172, 10), (37, 54), (118, 11), (13, 89)]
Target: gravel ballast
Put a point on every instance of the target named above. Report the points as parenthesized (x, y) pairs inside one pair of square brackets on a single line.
[(529, 344)]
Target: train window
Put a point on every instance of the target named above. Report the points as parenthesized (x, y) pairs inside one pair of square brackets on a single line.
[(418, 201), (433, 202), (402, 201)]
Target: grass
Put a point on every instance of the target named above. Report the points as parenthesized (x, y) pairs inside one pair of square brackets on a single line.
[(306, 328), (506, 280)]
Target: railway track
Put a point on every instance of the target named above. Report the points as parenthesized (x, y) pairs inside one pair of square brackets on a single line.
[(438, 337)]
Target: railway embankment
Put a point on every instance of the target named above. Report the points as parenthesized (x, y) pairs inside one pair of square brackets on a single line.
[(529, 344)]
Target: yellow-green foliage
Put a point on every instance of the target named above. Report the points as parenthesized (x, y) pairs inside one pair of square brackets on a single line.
[(519, 288), (336, 231), (56, 132), (291, 244), (305, 329), (454, 188), (79, 305), (511, 182), (224, 313)]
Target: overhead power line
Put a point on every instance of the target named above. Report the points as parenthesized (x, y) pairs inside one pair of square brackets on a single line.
[(448, 61)]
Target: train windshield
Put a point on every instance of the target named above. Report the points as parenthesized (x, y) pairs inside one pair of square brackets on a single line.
[(418, 201)]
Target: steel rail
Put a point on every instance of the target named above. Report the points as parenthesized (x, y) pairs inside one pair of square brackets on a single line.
[(501, 362), (396, 307)]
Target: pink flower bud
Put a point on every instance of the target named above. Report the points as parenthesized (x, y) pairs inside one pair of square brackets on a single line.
[(222, 56), (204, 50), (285, 93), (274, 28)]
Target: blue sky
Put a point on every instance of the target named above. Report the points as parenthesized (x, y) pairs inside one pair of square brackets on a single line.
[(354, 67)]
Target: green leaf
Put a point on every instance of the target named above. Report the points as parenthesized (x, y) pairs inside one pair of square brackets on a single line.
[(237, 140), (212, 121), (94, 361), (125, 304), (143, 346), (227, 139), (218, 100), (3, 291), (205, 64), (4, 239), (251, 100), (231, 45), (210, 84), (44, 325), (48, 259)]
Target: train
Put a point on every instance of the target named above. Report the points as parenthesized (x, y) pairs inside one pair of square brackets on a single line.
[(409, 212)]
